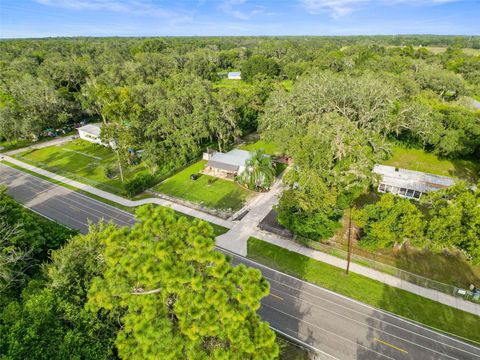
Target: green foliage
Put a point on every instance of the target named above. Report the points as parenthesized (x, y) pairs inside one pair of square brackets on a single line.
[(259, 65), (139, 183), (454, 219), (391, 221), (311, 225), (259, 172), (182, 299), (49, 320), (334, 142), (25, 241)]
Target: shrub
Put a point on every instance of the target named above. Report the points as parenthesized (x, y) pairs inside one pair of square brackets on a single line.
[(110, 171), (139, 183)]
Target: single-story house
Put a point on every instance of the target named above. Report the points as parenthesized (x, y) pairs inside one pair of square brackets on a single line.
[(234, 75), (226, 165), (91, 133), (408, 183)]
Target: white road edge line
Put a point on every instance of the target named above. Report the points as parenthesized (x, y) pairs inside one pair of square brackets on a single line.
[(368, 316), (329, 332), (310, 347), (422, 326)]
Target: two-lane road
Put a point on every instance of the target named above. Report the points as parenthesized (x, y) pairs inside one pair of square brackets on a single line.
[(336, 326)]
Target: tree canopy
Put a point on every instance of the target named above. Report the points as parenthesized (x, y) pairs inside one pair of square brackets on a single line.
[(180, 297)]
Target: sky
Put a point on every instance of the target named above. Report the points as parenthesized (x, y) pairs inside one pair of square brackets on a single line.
[(50, 18)]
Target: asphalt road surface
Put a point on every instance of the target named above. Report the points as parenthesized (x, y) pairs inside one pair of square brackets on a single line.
[(335, 326)]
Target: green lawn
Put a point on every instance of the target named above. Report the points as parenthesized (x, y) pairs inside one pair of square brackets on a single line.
[(419, 160), (208, 191), (82, 161), (369, 291), (269, 147)]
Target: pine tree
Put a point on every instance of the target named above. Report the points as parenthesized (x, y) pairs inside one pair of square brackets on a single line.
[(181, 298)]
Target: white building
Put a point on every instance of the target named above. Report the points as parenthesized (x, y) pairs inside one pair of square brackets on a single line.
[(408, 183), (226, 165), (91, 133), (234, 75)]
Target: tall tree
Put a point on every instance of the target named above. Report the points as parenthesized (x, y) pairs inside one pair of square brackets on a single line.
[(181, 298), (119, 111), (391, 222), (454, 219)]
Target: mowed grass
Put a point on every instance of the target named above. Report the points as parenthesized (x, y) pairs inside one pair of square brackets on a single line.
[(208, 191), (420, 160), (372, 292), (269, 147), (82, 161)]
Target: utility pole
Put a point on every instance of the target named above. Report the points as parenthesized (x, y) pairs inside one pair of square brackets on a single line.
[(349, 256)]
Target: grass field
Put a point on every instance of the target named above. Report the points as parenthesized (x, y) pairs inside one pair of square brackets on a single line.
[(269, 147), (82, 161), (369, 291), (419, 160), (208, 191)]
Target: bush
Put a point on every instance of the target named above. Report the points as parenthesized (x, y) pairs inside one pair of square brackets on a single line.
[(315, 226), (139, 183), (110, 171)]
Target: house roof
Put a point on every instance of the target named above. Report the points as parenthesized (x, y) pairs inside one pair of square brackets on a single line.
[(92, 129), (230, 161), (410, 179), (234, 73)]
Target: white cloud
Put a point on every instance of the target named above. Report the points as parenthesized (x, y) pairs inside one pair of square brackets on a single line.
[(133, 7), (339, 8), (239, 9)]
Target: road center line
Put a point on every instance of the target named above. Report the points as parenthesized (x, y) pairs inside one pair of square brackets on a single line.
[(276, 296), (390, 345)]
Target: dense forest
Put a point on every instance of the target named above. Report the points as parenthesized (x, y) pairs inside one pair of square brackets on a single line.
[(334, 105)]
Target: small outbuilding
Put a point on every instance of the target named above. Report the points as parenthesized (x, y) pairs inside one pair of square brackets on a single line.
[(234, 75), (408, 183), (91, 133)]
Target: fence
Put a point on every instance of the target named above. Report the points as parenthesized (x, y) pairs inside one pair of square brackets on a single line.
[(389, 269), (224, 214)]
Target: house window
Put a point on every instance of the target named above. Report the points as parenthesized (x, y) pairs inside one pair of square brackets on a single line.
[(381, 188), (410, 193), (388, 188), (417, 194), (402, 191)]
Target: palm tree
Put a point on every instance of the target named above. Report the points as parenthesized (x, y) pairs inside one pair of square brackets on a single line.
[(259, 172)]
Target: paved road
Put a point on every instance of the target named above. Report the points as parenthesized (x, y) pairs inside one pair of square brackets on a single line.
[(336, 326)]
